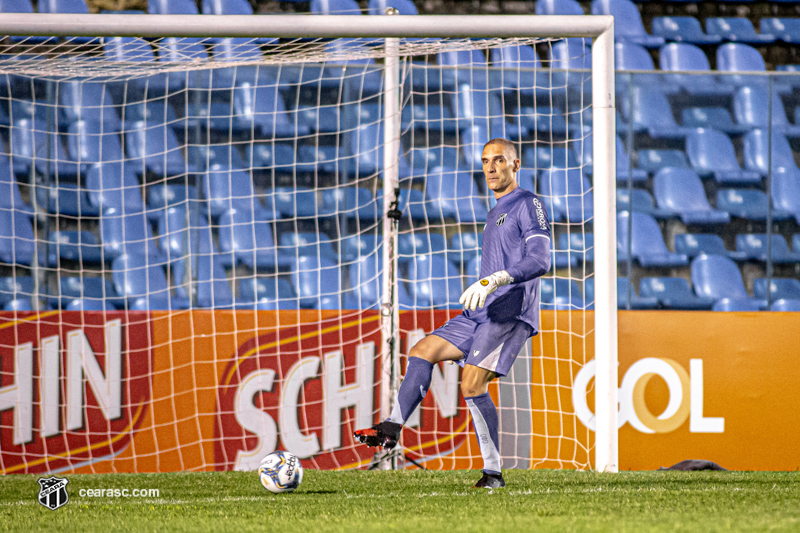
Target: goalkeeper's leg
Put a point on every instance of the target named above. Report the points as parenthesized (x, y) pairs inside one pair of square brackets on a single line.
[(416, 383)]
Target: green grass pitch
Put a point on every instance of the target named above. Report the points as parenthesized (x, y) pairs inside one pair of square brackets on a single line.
[(417, 501)]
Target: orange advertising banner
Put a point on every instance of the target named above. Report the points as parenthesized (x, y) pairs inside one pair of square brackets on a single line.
[(217, 390)]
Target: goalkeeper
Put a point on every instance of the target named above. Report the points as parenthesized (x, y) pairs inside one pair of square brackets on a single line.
[(501, 311)]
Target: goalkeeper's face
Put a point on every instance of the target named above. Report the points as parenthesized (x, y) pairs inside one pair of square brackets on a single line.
[(500, 169)]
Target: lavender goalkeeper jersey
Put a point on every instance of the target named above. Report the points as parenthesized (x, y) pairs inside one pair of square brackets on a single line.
[(516, 239)]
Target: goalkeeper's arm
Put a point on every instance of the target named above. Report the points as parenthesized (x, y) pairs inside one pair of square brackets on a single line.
[(533, 264)]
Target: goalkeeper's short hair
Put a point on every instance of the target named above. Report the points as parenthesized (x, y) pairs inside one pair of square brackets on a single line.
[(507, 145)]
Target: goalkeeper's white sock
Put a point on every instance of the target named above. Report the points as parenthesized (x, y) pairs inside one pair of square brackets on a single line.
[(485, 423)]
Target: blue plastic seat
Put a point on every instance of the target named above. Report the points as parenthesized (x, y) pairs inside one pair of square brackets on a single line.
[(632, 56), (749, 204), (136, 50), (88, 142), (784, 29), (261, 107), (31, 140), (427, 159), (413, 205), (738, 57), (270, 157), (366, 145), (353, 202), (673, 293), (308, 243), (567, 195), (683, 29), (172, 7), (67, 199), (434, 282), (579, 244), (411, 244), (736, 29), (155, 147), (17, 240), (521, 70), (473, 106), (542, 156), (365, 277), (143, 283), (294, 202), (641, 201), (470, 66), (227, 7), (717, 277), (754, 246), (654, 159), (629, 26), (647, 244), (561, 294), (573, 55), (114, 186), (15, 288), (583, 147), (649, 110), (335, 7), (233, 49), (329, 159), (680, 57), (210, 282), (694, 244), (318, 282), (751, 108), (151, 111), (93, 292), (680, 190), (247, 240), (464, 246), (62, 6), (190, 244), (626, 295), (403, 7), (711, 152), (359, 245), (226, 189), (162, 196), (208, 156), (785, 304), (452, 194), (714, 117), (786, 192), (558, 7), (89, 101), (779, 288), (128, 233), (431, 117), (473, 269), (268, 293), (757, 156), (737, 304), (10, 197)]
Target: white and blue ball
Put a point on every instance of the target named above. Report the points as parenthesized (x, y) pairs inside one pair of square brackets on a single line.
[(280, 472)]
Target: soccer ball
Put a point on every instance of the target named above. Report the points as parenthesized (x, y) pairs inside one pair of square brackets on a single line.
[(280, 472)]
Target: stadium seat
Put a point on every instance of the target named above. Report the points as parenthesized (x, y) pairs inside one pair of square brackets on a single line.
[(717, 277), (680, 190), (452, 194), (749, 204), (114, 186), (625, 171), (403, 7), (10, 196), (172, 7), (359, 245), (571, 55), (366, 144), (736, 29), (270, 157), (317, 282), (755, 245), (261, 107), (323, 158), (711, 152), (718, 118), (757, 156), (785, 304), (649, 110), (91, 291), (267, 293), (784, 29), (786, 191), (15, 288), (430, 117), (88, 142), (682, 57), (179, 241), (155, 148), (543, 155), (751, 108), (308, 243), (419, 242), (294, 202), (66, 199), (546, 120), (694, 244), (335, 7), (365, 282), (479, 107), (17, 239), (31, 140), (137, 50), (413, 205), (20, 304), (579, 244), (428, 158), (473, 269), (143, 283), (567, 195), (83, 304), (227, 7), (738, 57), (673, 293), (624, 301), (632, 56), (683, 30), (464, 246), (652, 160), (779, 288), (434, 282), (558, 7), (88, 101), (561, 294), (521, 70), (225, 155), (156, 111), (247, 240), (62, 6), (628, 22), (128, 233), (239, 49), (736, 304), (646, 243), (226, 189)]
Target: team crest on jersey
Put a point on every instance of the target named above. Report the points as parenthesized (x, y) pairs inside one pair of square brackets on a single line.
[(501, 219)]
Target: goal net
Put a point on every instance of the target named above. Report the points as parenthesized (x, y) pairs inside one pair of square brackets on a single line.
[(198, 262)]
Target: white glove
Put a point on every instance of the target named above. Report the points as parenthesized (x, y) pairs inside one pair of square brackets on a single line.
[(475, 296)]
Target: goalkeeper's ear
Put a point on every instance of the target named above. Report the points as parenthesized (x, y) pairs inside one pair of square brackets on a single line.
[(517, 165)]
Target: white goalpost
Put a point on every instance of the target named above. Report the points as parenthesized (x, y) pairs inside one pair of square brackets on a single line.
[(222, 234)]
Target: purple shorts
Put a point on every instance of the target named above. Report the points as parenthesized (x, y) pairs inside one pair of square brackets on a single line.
[(489, 345)]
